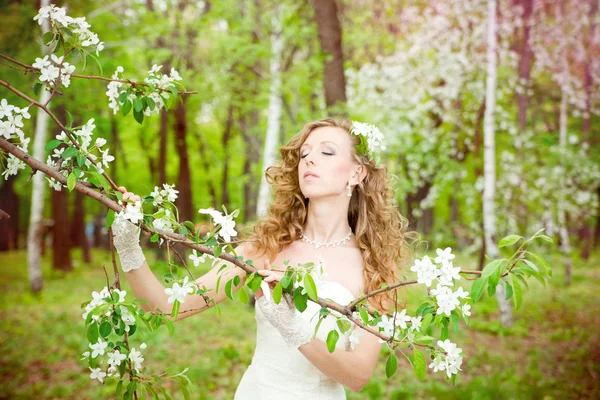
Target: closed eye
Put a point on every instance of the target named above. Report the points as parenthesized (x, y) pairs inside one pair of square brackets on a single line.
[(329, 154)]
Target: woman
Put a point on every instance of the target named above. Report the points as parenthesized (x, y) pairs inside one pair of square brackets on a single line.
[(333, 206)]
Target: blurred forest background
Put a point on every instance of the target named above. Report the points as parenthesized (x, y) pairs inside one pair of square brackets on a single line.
[(263, 69)]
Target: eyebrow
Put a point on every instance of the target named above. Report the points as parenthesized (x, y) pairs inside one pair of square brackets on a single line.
[(325, 141)]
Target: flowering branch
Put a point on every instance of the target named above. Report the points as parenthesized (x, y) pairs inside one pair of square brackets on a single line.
[(29, 68)]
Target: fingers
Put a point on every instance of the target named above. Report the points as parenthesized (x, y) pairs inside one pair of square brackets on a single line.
[(128, 195)]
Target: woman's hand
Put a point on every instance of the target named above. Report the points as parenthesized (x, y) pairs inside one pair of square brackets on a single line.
[(269, 276), (128, 195), (294, 331), (126, 238)]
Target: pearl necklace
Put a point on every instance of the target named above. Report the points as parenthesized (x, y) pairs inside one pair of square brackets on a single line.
[(330, 244)]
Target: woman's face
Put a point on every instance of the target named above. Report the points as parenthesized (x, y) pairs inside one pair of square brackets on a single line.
[(326, 153)]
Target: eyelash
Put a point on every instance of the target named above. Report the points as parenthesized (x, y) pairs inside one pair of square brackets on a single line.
[(329, 154)]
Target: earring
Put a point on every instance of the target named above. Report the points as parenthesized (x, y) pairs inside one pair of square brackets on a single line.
[(349, 190)]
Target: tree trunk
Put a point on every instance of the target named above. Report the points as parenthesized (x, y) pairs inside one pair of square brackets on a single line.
[(225, 142), (184, 201), (162, 150), (274, 116), (525, 61), (78, 232), (34, 268), (61, 246), (330, 39), (489, 213), (587, 229), (565, 245), (9, 225), (253, 146)]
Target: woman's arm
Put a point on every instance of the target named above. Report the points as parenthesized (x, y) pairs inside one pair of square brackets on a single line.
[(146, 286), (352, 369)]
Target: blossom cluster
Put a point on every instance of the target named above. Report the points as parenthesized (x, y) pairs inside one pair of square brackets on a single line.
[(373, 136), (180, 291), (225, 221), (83, 137), (115, 357), (445, 274), (11, 122), (58, 18), (53, 68), (450, 360), (397, 326), (155, 79)]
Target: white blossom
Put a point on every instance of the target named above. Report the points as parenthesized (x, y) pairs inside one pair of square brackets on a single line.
[(179, 292), (97, 373), (354, 337), (426, 271), (196, 258), (98, 348), (115, 358)]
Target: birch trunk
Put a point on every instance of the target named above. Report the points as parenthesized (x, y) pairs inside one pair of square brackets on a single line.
[(489, 161), (34, 238), (565, 245), (274, 119)]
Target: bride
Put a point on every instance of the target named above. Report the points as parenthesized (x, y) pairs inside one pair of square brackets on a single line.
[(332, 206)]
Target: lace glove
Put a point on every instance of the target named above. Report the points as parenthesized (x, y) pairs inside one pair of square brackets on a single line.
[(126, 237), (295, 332)]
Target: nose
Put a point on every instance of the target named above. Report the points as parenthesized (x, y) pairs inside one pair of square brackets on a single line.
[(308, 158)]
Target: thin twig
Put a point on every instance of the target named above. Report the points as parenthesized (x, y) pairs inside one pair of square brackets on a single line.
[(91, 77)]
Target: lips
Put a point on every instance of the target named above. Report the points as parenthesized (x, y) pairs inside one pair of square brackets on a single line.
[(306, 174)]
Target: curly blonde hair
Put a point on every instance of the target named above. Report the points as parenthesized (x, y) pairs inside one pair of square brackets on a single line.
[(380, 229)]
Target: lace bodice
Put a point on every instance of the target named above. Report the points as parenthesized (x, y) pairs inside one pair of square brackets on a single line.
[(280, 372)]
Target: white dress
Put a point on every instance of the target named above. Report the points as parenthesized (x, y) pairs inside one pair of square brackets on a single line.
[(281, 372)]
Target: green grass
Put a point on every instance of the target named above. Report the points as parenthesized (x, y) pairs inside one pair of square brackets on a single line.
[(552, 351)]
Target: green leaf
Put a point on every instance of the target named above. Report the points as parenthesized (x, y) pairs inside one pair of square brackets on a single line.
[(364, 315), (126, 107), (70, 152), (151, 103), (123, 96), (105, 329), (170, 326), (48, 38), (71, 180), (311, 288), (509, 240), (243, 295), (51, 145), (477, 288), (175, 309), (508, 289), (119, 388), (139, 116), (491, 289), (454, 321), (277, 293), (138, 104), (539, 260), (518, 298), (444, 333), (300, 300), (228, 289), (424, 340), (110, 217), (391, 365), (154, 238), (419, 364), (491, 268), (426, 321), (343, 325), (92, 333), (332, 339), (36, 88)]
